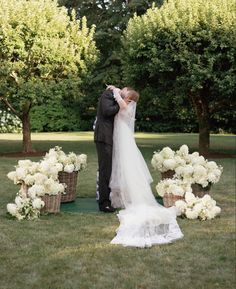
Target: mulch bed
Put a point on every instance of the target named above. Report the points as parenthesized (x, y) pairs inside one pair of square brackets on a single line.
[(22, 155), (220, 156)]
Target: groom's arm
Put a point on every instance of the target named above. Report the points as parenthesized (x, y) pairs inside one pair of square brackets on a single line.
[(109, 105)]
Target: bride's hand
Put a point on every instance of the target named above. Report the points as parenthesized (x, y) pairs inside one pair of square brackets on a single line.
[(111, 87)]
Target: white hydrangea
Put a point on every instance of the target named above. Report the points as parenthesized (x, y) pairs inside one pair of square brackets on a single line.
[(164, 160), (29, 180), (167, 153), (203, 208), (69, 168), (200, 160), (181, 206), (13, 177), (40, 178), (37, 190), (190, 199), (183, 150), (180, 161), (169, 164), (21, 173), (191, 214), (19, 201), (37, 203), (172, 186), (198, 207), (12, 209), (65, 162)]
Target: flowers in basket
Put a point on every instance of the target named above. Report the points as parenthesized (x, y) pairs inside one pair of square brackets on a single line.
[(164, 160), (66, 162), (176, 187), (191, 168), (197, 208), (36, 179), (198, 170), (25, 207), (41, 180)]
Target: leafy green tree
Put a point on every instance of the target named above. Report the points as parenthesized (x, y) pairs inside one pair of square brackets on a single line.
[(185, 50), (111, 18), (44, 54)]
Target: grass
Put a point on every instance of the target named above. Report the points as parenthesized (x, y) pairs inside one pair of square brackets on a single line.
[(72, 251)]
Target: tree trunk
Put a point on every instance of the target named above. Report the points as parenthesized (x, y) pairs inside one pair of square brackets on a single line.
[(27, 143), (202, 110), (204, 136)]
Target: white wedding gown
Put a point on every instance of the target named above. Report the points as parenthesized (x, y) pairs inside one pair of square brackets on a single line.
[(143, 222)]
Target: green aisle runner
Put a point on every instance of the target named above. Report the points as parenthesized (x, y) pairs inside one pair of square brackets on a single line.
[(81, 205), (85, 205)]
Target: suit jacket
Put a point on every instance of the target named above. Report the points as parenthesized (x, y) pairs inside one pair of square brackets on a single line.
[(106, 111)]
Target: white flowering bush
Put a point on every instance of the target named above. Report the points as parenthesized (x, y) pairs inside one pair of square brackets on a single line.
[(173, 186), (193, 207), (9, 122), (67, 162), (191, 168)]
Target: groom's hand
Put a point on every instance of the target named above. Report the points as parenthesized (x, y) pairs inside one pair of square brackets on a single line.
[(111, 87)]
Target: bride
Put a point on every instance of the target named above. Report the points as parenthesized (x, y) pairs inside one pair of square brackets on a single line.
[(143, 222)]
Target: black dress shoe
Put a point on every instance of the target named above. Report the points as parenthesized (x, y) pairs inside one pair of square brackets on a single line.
[(108, 209)]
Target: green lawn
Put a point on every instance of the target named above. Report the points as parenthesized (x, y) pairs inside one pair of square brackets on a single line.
[(72, 251)]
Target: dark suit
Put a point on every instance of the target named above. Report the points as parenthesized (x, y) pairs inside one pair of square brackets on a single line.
[(103, 137)]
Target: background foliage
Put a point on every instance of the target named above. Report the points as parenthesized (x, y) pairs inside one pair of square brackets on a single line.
[(45, 54), (162, 107), (183, 54)]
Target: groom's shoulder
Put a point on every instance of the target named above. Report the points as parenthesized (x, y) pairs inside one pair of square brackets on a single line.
[(107, 94)]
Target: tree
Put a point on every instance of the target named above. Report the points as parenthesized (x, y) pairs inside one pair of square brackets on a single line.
[(110, 18), (44, 53), (185, 50)]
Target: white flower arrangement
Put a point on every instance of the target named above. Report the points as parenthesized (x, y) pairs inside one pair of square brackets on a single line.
[(197, 208), (173, 186), (41, 178), (191, 168), (25, 207), (37, 179), (66, 162), (164, 160)]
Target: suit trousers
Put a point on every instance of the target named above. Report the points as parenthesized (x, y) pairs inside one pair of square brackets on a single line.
[(104, 152)]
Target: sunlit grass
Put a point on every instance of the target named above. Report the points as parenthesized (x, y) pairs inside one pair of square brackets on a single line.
[(72, 251), (157, 141)]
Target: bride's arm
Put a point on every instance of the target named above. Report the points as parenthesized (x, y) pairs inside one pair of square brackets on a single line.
[(119, 99)]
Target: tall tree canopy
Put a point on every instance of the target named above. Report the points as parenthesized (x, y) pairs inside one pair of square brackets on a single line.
[(111, 18), (185, 50), (44, 53)]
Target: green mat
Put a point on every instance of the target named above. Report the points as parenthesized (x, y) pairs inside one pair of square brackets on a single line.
[(85, 205), (81, 205)]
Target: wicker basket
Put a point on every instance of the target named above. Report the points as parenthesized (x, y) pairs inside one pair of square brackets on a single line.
[(52, 203), (167, 175), (70, 179), (170, 199), (199, 191)]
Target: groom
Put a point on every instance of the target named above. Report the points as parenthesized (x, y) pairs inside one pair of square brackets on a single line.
[(103, 138)]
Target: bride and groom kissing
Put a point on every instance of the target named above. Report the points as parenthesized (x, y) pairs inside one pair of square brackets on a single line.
[(124, 179)]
